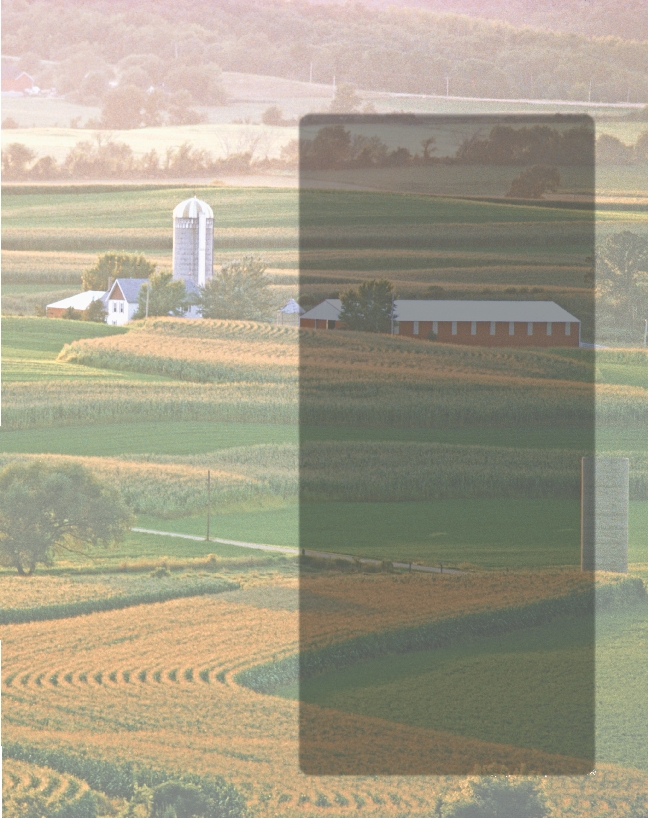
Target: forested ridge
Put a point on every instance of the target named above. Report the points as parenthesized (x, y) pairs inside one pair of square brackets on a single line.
[(398, 49)]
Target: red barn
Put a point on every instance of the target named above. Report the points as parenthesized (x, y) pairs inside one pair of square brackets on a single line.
[(479, 323), (13, 79)]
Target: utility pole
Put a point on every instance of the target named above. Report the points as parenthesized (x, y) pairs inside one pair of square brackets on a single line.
[(148, 287), (589, 98), (392, 314), (447, 87), (645, 332), (208, 502), (310, 76)]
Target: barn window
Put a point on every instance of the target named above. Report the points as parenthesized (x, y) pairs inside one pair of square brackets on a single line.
[(492, 328), (473, 327), (530, 328), (567, 328), (454, 327), (511, 328), (415, 330), (548, 327), (435, 327)]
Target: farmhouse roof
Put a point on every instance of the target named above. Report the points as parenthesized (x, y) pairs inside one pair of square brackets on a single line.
[(80, 301), (447, 310), (328, 310), (192, 208), (292, 307), (130, 288)]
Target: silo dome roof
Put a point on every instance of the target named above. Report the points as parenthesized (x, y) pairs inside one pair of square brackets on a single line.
[(192, 208)]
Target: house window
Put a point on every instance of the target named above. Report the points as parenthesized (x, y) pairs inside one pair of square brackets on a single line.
[(492, 328), (121, 306), (530, 328), (511, 327), (567, 328), (114, 306), (435, 327), (473, 327), (415, 331), (454, 327), (548, 327)]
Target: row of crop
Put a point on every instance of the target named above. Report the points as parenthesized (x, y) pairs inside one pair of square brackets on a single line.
[(212, 368), (269, 676), (177, 486), (97, 239), (13, 616), (29, 405), (389, 472), (120, 780)]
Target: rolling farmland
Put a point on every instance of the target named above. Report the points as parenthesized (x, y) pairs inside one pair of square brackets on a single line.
[(150, 408)]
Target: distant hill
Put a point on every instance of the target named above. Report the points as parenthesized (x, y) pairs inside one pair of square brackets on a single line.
[(592, 18), (409, 49)]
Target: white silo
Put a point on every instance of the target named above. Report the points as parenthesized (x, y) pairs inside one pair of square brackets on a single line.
[(193, 242)]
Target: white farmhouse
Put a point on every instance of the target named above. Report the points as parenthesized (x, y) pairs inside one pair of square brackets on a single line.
[(122, 299)]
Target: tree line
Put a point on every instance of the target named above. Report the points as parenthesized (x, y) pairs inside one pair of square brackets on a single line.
[(333, 147), (182, 47), (105, 158)]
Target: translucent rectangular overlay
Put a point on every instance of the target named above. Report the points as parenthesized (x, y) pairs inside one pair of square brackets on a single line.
[(446, 401)]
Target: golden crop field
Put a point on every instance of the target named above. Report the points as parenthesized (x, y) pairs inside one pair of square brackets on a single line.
[(156, 685), (205, 351), (176, 486), (26, 786)]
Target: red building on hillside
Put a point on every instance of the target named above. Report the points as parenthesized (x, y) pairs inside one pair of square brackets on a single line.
[(13, 79), (479, 323)]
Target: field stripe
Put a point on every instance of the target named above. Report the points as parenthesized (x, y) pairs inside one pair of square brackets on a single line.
[(285, 549)]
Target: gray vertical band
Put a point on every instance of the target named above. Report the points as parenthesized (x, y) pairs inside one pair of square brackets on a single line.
[(605, 489)]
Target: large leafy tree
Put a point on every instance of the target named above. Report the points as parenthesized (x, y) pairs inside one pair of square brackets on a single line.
[(110, 266), (165, 296), (47, 509), (369, 307), (534, 182), (622, 280), (240, 291)]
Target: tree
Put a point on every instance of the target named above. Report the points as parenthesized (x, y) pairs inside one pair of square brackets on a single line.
[(46, 509), (128, 106), (95, 312), (369, 307), (622, 280), (110, 266), (165, 296), (239, 292), (533, 182), (498, 798), (71, 314), (15, 160), (345, 101), (272, 116)]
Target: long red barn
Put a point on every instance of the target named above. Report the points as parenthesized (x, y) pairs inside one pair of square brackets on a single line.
[(480, 323)]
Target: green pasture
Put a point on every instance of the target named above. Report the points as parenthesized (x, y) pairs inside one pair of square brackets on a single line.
[(277, 524), (145, 547), (536, 687), (30, 347), (170, 438), (621, 673), (146, 209), (530, 688), (488, 533)]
